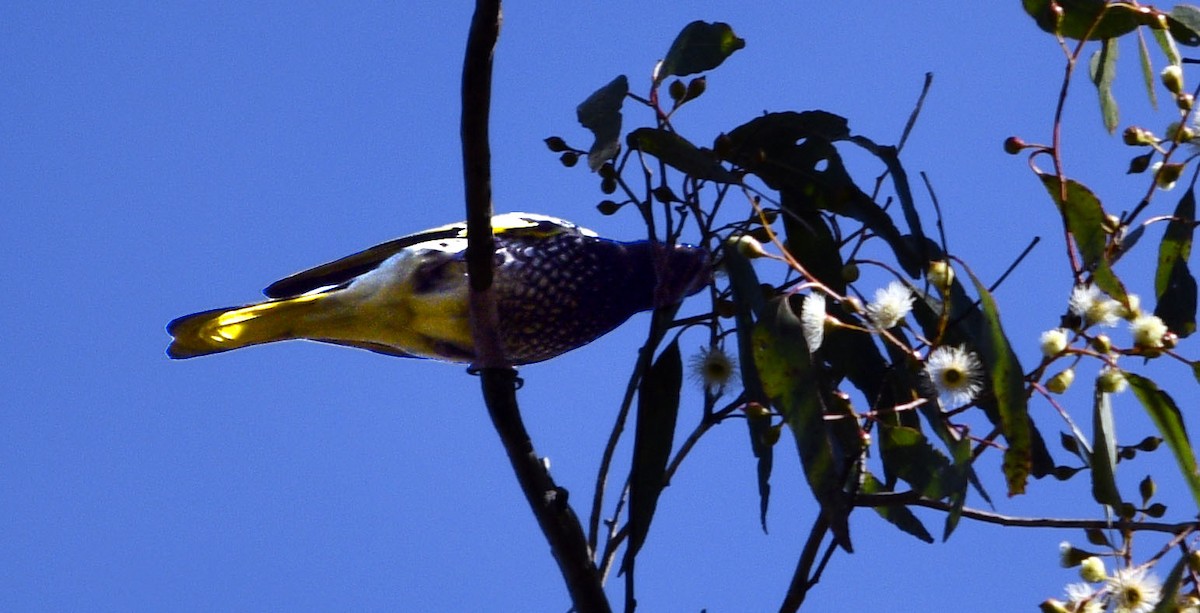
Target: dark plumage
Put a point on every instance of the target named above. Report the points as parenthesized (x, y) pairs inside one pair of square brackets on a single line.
[(558, 287)]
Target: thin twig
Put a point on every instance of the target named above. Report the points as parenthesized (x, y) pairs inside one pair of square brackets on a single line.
[(915, 500), (801, 581)]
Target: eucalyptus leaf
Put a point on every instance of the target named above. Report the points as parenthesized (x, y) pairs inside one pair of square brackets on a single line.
[(1166, 416), (658, 408), (1104, 452), (699, 46), (601, 113)]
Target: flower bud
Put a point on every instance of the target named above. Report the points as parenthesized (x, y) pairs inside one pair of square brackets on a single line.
[(1052, 605), (1133, 310), (748, 246), (771, 435), (677, 90), (1166, 175), (1170, 340), (1092, 570), (1013, 145), (941, 275), (853, 304), (1135, 136), (1061, 382), (755, 410), (1111, 223), (1102, 343), (1172, 78), (1111, 381), (726, 309), (1184, 102), (1053, 342), (850, 272)]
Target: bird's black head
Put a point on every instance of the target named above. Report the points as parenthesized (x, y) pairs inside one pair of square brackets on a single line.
[(674, 271)]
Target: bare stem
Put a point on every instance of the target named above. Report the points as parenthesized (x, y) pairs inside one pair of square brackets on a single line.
[(498, 378)]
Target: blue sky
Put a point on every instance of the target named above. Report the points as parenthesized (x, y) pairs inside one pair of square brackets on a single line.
[(159, 159)]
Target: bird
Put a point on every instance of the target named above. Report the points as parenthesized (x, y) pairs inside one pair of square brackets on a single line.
[(558, 287)]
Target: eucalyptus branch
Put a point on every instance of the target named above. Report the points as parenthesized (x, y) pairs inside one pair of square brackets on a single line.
[(499, 380), (914, 499)]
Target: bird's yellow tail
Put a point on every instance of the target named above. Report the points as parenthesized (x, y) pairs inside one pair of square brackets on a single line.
[(225, 329)]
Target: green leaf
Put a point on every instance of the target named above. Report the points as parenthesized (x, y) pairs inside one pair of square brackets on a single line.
[(1174, 285), (1083, 215), (967, 327), (962, 470), (896, 514), (1184, 24), (748, 303), (1102, 68), (601, 113), (1166, 43), (1008, 385), (1165, 414), (1095, 19), (1148, 76), (658, 407), (1107, 280), (676, 152), (919, 464), (700, 46), (783, 363), (1104, 452)]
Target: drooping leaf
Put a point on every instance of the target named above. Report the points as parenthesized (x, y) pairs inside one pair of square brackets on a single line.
[(967, 325), (896, 514), (1174, 285), (700, 46), (676, 152), (1167, 418), (1103, 69), (963, 472), (601, 113), (922, 466), (784, 366), (1148, 76), (1084, 217), (749, 303), (1184, 24), (1104, 452), (658, 407), (1008, 386), (1166, 43)]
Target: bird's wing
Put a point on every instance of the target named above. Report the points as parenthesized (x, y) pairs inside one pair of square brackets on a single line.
[(347, 268), (528, 225)]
